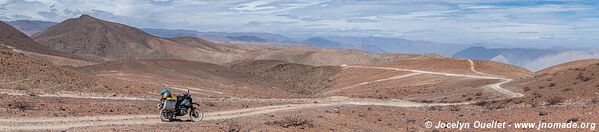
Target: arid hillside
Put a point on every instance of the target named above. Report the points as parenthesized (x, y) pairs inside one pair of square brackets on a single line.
[(464, 66), (206, 79), (569, 82), (210, 46), (335, 57), (425, 80), (14, 39), (20, 72), (95, 39), (93, 75), (98, 40), (300, 79)]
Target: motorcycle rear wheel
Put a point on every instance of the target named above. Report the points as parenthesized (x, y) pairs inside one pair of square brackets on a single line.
[(165, 116), (196, 115)]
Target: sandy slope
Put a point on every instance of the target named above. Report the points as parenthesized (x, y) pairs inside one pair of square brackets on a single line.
[(70, 122)]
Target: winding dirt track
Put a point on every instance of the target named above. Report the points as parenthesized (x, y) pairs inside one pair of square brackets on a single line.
[(52, 123)]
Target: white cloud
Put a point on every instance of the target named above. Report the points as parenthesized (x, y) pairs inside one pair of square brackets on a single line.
[(464, 21), (254, 6)]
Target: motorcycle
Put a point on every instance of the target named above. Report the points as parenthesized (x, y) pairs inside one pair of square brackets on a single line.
[(183, 105)]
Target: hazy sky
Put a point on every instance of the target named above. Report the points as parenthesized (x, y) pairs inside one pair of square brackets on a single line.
[(564, 23)]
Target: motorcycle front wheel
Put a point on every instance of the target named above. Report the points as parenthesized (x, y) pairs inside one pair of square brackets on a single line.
[(165, 116), (196, 115)]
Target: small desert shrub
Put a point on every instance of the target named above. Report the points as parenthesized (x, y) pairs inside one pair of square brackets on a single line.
[(469, 99), (518, 101), (526, 89), (211, 104), (292, 121), (567, 89), (583, 78), (454, 108), (478, 94), (231, 126), (595, 100), (20, 105), (507, 101), (433, 108), (533, 104), (494, 107), (552, 84), (554, 100), (575, 119), (426, 101), (536, 95), (481, 103)]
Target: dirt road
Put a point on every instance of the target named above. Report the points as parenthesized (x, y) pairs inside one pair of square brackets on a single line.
[(43, 123), (61, 123)]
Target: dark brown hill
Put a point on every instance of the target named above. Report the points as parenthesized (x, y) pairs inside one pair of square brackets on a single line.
[(13, 38), (96, 39)]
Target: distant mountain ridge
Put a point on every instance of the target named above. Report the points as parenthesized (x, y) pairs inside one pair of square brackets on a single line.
[(11, 38), (97, 40), (375, 45), (30, 27), (559, 58), (324, 43), (530, 58), (387, 45), (222, 36), (482, 53), (533, 59), (515, 56)]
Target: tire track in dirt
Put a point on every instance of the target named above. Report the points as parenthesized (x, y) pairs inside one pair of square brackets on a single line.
[(497, 86), (473, 69), (364, 83), (90, 121), (75, 95), (63, 123)]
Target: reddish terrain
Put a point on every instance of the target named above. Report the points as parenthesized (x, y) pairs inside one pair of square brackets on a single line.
[(13, 38), (98, 40), (571, 82), (267, 88)]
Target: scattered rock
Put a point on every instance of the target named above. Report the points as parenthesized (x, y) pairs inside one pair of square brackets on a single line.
[(332, 110), (575, 119), (410, 121)]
